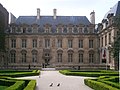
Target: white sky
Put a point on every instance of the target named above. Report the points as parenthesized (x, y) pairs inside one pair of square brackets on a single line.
[(64, 7)]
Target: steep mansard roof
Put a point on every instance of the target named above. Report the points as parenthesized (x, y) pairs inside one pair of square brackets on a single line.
[(115, 10), (75, 20)]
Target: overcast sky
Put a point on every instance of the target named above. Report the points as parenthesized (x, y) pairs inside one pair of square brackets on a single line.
[(64, 7)]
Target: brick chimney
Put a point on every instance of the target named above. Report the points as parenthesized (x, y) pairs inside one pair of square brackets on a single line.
[(38, 13), (54, 13)]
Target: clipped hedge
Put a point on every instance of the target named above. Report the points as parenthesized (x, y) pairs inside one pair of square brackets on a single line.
[(31, 85), (20, 74), (88, 74), (98, 85), (19, 85)]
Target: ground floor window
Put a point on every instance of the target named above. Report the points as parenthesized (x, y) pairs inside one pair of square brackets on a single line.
[(59, 57)]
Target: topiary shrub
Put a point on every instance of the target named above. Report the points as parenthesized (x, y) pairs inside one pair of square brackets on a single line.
[(31, 85)]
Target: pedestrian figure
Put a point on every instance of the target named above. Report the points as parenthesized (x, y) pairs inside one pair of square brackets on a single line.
[(51, 84), (58, 84)]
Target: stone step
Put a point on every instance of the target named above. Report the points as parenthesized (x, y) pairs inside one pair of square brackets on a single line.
[(48, 69)]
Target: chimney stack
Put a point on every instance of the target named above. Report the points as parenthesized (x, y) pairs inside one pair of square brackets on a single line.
[(92, 17), (54, 13), (38, 13)]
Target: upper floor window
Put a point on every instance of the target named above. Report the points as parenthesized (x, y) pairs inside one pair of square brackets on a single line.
[(24, 30), (90, 43), (59, 43), (109, 38), (24, 43), (13, 43), (69, 43), (105, 40), (59, 30), (34, 43), (80, 43), (102, 42), (47, 43)]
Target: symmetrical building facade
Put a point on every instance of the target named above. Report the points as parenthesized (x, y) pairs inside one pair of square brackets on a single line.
[(60, 41)]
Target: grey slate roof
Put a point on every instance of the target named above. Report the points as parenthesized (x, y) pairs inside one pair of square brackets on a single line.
[(75, 20), (115, 9)]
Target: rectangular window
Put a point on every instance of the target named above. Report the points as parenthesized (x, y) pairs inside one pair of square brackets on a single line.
[(80, 58), (70, 57), (105, 40), (69, 43), (109, 38), (91, 57), (59, 44), (34, 43), (23, 57), (47, 43), (13, 43), (24, 43), (80, 43), (59, 57), (90, 43), (102, 41)]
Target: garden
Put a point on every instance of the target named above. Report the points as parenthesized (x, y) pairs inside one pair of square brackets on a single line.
[(104, 79), (8, 81)]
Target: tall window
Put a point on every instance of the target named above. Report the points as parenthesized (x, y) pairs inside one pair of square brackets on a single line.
[(91, 58), (23, 57), (70, 57), (80, 57), (13, 43), (12, 57), (59, 43), (69, 43), (24, 43), (47, 43), (34, 43), (109, 38), (59, 57), (34, 57), (105, 40), (102, 41), (90, 43), (80, 43)]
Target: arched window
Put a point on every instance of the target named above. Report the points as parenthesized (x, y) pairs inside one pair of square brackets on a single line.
[(59, 55), (91, 56), (81, 55), (12, 56), (24, 56), (34, 56)]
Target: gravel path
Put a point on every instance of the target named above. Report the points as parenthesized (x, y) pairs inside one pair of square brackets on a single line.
[(66, 82)]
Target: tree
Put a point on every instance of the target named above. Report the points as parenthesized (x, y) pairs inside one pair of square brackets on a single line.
[(116, 44)]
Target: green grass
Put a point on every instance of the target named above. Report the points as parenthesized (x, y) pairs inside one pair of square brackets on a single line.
[(3, 87)]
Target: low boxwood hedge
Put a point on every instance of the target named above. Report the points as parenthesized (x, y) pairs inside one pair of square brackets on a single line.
[(88, 74), (19, 85), (98, 85), (31, 85)]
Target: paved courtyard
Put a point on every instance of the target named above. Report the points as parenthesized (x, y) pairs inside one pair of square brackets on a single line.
[(66, 82)]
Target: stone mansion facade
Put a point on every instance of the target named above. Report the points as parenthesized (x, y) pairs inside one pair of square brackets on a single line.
[(59, 41)]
